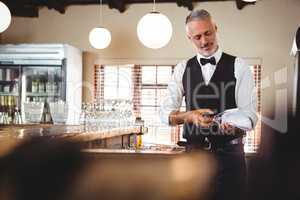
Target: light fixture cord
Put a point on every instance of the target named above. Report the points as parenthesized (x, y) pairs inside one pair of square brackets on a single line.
[(101, 15), (153, 6)]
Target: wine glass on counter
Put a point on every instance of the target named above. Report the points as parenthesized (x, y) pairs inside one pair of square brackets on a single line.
[(107, 115)]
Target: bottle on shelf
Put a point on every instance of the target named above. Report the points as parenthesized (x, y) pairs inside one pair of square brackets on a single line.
[(35, 82), (17, 116), (8, 75), (2, 109), (56, 83), (49, 88), (1, 102), (15, 88), (6, 88), (2, 74), (42, 82), (5, 109), (9, 110), (139, 123), (8, 105), (55, 87), (41, 87), (15, 75)]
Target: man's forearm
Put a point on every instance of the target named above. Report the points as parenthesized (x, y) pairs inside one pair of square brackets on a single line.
[(198, 117), (177, 117)]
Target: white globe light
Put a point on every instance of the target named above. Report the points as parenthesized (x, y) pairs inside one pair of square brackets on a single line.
[(100, 37), (154, 30), (5, 17)]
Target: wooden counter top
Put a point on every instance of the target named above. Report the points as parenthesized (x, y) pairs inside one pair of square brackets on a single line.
[(13, 135), (114, 141), (73, 133), (134, 151)]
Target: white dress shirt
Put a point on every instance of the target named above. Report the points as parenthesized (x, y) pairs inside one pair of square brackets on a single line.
[(245, 93)]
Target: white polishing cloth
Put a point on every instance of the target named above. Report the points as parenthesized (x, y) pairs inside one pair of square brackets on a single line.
[(237, 119)]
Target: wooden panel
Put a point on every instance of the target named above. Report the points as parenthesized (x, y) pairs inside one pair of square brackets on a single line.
[(29, 8)]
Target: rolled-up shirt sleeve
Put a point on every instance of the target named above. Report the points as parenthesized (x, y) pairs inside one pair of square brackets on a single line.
[(245, 93), (174, 96)]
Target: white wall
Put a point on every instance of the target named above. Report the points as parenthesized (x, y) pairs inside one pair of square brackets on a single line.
[(264, 30)]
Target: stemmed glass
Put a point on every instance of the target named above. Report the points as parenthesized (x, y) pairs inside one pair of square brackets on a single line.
[(106, 115)]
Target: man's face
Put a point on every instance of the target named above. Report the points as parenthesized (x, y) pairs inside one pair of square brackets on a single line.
[(202, 34)]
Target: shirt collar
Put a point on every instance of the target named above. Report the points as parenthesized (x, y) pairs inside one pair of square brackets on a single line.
[(217, 55)]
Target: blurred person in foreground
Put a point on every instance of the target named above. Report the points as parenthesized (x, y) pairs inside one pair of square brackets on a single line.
[(47, 169)]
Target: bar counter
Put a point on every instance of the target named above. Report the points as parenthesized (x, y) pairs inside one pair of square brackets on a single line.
[(75, 132), (115, 142), (103, 172), (114, 138)]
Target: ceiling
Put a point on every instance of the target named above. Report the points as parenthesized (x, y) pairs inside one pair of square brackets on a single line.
[(30, 8)]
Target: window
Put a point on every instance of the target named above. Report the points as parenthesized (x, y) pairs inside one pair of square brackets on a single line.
[(147, 86), (252, 139), (113, 82), (154, 82)]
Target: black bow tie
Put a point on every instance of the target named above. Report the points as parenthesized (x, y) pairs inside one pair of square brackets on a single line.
[(211, 60)]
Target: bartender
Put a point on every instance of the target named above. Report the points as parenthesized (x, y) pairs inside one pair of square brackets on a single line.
[(212, 82)]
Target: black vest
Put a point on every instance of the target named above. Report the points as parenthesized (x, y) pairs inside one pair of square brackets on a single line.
[(218, 95)]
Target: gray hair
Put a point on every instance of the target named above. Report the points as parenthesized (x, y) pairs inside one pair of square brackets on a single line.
[(198, 15)]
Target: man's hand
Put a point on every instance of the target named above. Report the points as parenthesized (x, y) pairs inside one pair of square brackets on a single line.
[(200, 117), (227, 129)]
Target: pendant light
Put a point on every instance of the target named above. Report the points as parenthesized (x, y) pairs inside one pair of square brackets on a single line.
[(5, 17), (154, 29), (100, 37)]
